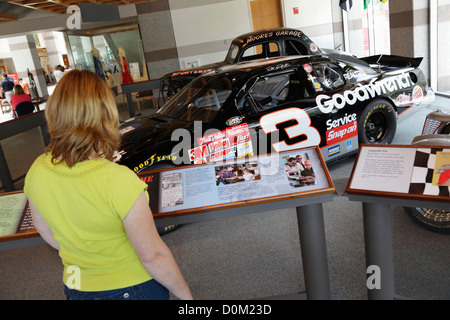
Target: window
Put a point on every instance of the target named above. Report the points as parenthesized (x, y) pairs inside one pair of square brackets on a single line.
[(292, 48), (259, 51), (274, 90), (266, 93), (200, 100), (232, 53), (326, 77), (277, 89), (439, 46), (366, 31)]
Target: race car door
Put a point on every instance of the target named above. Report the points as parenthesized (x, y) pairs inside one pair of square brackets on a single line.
[(275, 107)]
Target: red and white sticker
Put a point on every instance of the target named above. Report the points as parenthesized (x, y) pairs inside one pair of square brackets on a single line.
[(417, 95), (307, 67), (341, 133), (233, 142)]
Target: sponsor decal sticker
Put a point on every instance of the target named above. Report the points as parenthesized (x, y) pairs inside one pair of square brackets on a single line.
[(307, 67), (334, 150), (342, 132), (342, 128), (154, 159), (353, 74), (349, 144), (233, 142), (313, 47), (130, 128), (327, 104), (189, 72), (233, 121), (403, 98), (417, 95)]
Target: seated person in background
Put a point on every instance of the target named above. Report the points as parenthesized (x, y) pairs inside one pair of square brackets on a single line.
[(18, 96), (25, 86)]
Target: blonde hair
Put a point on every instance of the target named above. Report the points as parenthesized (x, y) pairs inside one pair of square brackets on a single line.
[(82, 119)]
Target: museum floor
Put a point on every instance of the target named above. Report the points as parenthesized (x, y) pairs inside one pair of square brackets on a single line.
[(257, 255)]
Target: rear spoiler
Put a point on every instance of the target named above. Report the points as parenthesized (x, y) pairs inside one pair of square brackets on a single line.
[(392, 60)]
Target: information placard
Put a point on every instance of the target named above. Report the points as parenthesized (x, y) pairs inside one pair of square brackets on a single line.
[(205, 187), (214, 186), (402, 171), (15, 217)]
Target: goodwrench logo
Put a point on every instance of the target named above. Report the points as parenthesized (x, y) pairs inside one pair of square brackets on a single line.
[(326, 103)]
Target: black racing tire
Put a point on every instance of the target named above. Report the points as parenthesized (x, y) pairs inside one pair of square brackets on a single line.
[(431, 219), (446, 129), (377, 123)]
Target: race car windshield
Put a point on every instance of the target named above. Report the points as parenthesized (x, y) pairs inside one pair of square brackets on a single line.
[(199, 100)]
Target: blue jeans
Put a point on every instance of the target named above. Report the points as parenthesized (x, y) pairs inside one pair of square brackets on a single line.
[(150, 290)]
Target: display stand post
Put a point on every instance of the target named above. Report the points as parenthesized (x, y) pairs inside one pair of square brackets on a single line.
[(5, 174), (378, 246), (314, 252)]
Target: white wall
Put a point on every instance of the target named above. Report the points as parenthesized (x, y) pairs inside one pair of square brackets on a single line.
[(314, 18), (56, 47), (203, 32), (4, 49)]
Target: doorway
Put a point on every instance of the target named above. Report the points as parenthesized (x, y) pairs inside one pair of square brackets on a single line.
[(266, 14)]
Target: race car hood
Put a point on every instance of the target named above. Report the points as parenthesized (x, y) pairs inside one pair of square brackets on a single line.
[(146, 136)]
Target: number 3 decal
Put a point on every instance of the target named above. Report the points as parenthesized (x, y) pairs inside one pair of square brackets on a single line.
[(302, 127)]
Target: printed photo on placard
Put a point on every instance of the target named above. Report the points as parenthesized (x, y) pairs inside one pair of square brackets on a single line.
[(441, 174), (235, 173), (429, 171), (299, 171), (171, 189)]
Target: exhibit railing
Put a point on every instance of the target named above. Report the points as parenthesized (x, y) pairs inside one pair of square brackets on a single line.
[(14, 127), (128, 89)]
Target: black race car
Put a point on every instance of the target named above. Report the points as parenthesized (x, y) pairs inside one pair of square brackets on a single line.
[(276, 104), (258, 44)]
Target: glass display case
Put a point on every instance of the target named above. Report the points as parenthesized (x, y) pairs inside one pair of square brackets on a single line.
[(115, 54)]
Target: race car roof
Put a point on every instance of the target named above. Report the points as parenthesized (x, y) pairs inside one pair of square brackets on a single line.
[(270, 33)]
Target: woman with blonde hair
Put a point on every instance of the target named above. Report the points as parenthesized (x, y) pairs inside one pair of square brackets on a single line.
[(93, 210)]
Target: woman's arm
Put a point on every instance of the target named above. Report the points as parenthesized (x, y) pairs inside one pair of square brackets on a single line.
[(153, 252), (42, 227)]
